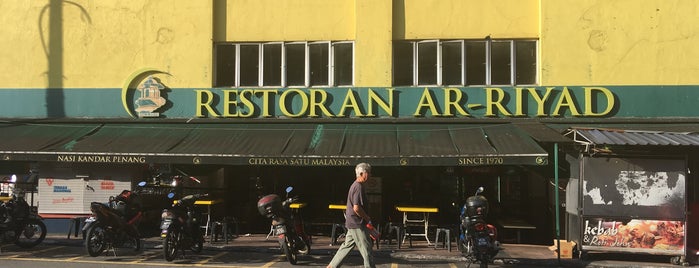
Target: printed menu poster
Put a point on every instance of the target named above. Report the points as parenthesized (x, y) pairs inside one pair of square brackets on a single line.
[(648, 236)]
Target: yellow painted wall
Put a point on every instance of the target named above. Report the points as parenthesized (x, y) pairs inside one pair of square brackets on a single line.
[(466, 19), (373, 45), (621, 42), (103, 42), (289, 20)]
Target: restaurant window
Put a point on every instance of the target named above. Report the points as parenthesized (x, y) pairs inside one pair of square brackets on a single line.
[(225, 65), (525, 62), (403, 63), (464, 62), (279, 64), (319, 63), (427, 63), (296, 64), (476, 59), (249, 64), (500, 63), (343, 64), (272, 64), (452, 60)]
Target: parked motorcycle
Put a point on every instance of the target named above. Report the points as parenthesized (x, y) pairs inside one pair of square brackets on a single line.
[(19, 222), (181, 227), (287, 224), (114, 224), (477, 239)]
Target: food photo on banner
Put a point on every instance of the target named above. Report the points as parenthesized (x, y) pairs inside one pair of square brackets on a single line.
[(635, 235), (634, 204)]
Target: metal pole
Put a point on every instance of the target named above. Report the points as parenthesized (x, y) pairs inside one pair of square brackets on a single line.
[(558, 219)]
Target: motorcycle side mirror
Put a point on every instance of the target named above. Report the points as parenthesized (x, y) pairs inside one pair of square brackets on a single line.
[(13, 179), (289, 189), (480, 190), (141, 184), (170, 195)]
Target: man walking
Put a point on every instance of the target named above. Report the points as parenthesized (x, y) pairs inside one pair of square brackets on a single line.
[(356, 219)]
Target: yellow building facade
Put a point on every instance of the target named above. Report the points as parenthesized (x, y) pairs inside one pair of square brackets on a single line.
[(86, 44), (141, 85)]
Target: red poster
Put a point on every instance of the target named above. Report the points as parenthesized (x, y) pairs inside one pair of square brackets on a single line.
[(649, 236)]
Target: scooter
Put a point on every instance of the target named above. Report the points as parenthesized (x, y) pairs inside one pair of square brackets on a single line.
[(287, 224), (113, 224), (180, 227), (19, 222), (477, 239)]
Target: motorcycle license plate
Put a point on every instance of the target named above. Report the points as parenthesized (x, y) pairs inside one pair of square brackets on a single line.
[(165, 224), (281, 229), (482, 241)]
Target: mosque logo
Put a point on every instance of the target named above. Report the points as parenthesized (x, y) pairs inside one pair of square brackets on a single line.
[(143, 94), (149, 99)]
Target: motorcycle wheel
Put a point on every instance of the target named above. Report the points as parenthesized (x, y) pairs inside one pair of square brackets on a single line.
[(198, 245), (170, 244), (31, 233), (136, 242), (287, 247), (304, 246), (484, 264), (95, 240)]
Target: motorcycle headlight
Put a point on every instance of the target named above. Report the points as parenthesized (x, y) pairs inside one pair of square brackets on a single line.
[(166, 214)]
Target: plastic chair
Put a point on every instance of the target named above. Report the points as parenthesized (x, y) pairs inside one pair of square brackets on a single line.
[(334, 235), (447, 238), (391, 231), (75, 225), (223, 227)]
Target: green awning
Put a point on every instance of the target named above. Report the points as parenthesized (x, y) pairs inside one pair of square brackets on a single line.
[(274, 144)]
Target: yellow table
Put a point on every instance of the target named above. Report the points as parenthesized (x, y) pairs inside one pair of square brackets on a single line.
[(208, 204), (297, 205), (5, 198), (424, 211), (334, 206)]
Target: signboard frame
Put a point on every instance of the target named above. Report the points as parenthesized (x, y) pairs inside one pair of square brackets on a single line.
[(617, 219)]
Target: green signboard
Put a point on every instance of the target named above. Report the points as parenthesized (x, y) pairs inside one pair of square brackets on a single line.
[(154, 100)]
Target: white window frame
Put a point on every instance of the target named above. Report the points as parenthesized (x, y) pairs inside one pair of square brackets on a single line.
[(441, 65), (416, 48), (332, 63), (237, 59), (262, 65), (305, 67), (261, 46), (488, 60), (536, 60), (485, 46), (237, 65)]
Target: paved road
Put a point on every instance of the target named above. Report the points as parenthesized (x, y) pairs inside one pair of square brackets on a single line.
[(59, 256)]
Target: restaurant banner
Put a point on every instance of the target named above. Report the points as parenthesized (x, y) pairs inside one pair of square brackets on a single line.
[(74, 195), (637, 235), (642, 188)]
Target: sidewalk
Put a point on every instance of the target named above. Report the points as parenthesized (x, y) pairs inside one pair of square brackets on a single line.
[(510, 254)]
